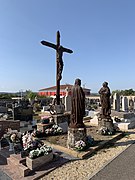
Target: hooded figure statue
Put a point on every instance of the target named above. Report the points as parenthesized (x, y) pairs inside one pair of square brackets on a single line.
[(105, 101), (78, 105)]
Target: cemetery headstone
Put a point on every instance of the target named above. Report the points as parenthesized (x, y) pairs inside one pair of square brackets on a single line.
[(124, 104), (116, 102), (67, 101), (131, 105)]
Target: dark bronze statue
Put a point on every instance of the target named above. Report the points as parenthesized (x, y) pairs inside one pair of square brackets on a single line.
[(60, 62), (59, 66), (105, 101), (78, 105)]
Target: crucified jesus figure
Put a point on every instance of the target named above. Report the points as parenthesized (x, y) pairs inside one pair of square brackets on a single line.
[(60, 63)]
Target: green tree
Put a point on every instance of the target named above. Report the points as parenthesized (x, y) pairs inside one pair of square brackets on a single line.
[(30, 95), (116, 91), (126, 92)]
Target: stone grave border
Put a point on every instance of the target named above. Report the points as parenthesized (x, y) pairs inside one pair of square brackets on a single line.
[(90, 150)]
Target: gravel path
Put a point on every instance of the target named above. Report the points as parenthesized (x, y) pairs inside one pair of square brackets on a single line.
[(82, 169)]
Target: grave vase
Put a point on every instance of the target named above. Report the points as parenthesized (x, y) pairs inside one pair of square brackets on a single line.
[(36, 163), (11, 146)]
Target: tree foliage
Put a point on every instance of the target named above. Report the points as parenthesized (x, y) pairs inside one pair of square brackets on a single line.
[(126, 92), (7, 95), (30, 95)]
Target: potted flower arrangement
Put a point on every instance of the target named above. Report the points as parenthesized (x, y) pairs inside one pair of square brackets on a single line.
[(42, 151), (80, 145), (39, 156), (30, 142), (54, 130)]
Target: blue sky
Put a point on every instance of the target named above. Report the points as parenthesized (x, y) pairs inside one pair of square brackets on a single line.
[(101, 34)]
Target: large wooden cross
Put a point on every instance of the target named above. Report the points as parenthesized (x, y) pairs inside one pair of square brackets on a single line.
[(59, 62)]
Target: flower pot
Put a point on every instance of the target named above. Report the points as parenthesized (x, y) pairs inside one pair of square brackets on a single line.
[(11, 146), (36, 163)]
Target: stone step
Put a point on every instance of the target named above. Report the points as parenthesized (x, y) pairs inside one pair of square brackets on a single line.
[(16, 159), (18, 166)]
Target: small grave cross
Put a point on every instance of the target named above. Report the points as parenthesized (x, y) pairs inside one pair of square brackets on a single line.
[(59, 62)]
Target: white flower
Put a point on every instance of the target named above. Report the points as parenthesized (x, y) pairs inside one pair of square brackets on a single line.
[(43, 150), (80, 145)]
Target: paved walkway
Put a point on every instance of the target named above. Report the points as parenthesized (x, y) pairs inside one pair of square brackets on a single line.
[(120, 168), (4, 176)]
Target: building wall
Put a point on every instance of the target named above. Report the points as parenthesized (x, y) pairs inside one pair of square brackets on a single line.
[(49, 93), (52, 91)]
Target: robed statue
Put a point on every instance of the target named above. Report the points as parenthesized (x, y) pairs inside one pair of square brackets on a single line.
[(105, 101), (77, 105)]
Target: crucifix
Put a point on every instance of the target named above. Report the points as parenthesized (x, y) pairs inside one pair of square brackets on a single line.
[(59, 62)]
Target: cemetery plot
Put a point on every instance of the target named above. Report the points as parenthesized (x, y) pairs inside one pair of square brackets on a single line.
[(60, 142)]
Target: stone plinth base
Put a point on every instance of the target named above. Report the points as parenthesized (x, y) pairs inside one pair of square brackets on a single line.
[(64, 126), (74, 135), (62, 120), (33, 164), (106, 126)]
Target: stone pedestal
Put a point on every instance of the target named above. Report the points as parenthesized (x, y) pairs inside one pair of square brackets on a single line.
[(74, 135), (62, 120), (105, 126)]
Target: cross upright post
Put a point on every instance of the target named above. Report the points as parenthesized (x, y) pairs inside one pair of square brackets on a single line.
[(57, 71), (59, 62)]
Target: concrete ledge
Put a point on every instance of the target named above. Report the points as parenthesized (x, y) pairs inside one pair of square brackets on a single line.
[(24, 171)]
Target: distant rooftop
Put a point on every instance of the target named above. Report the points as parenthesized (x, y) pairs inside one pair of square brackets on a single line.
[(61, 87)]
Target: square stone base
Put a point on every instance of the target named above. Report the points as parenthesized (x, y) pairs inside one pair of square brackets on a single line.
[(60, 118), (64, 126), (74, 135)]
